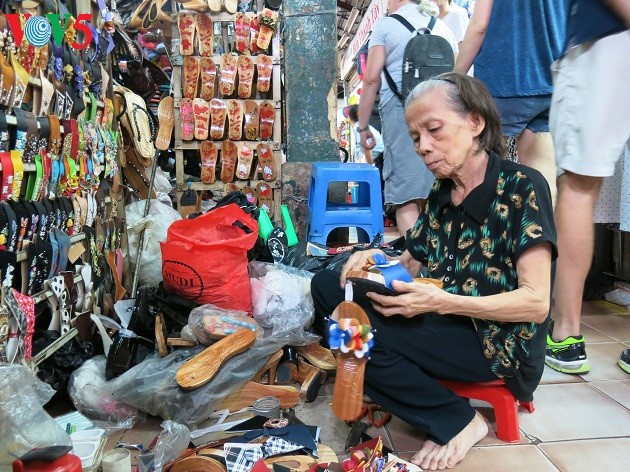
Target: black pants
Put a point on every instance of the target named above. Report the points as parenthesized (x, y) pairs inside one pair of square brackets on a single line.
[(408, 355)]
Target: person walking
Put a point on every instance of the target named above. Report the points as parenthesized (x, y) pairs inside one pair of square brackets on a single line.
[(407, 179), (590, 125), (512, 46)]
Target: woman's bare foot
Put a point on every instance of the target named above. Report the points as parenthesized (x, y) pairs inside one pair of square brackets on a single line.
[(432, 456)]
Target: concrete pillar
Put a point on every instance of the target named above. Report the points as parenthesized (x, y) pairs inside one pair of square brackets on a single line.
[(310, 58)]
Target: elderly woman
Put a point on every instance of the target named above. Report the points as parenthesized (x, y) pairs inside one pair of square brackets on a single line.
[(487, 233)]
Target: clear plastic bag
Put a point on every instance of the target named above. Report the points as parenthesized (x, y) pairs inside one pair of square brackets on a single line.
[(210, 323), (90, 397), (171, 442), (155, 226), (282, 301), (24, 424), (151, 386)]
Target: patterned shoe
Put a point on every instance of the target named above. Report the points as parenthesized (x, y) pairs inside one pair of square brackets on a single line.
[(568, 356), (624, 360)]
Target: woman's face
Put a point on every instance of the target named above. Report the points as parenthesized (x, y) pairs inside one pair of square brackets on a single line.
[(442, 138)]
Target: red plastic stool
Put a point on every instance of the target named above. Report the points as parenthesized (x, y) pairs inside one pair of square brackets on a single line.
[(501, 399), (66, 463)]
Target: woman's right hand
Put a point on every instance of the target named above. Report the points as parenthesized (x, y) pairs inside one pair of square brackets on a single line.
[(356, 262)]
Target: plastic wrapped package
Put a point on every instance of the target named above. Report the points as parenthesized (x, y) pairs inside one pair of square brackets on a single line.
[(151, 386), (171, 442), (155, 226), (210, 323), (24, 424), (282, 301), (90, 397), (163, 187)]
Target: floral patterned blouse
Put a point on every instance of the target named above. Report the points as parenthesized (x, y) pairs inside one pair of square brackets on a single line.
[(473, 248)]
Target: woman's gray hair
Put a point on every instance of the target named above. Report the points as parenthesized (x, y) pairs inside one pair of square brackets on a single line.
[(466, 95), (427, 6)]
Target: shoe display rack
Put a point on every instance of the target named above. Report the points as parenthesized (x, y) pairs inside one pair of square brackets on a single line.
[(58, 210), (230, 112)]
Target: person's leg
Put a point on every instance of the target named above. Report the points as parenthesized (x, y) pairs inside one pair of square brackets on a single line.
[(574, 212), (407, 214), (406, 359), (535, 149), (589, 120)]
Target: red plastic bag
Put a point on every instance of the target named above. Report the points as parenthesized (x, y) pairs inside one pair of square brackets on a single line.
[(205, 259)]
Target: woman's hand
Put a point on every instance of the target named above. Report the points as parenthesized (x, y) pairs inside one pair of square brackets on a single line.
[(415, 298), (356, 262)]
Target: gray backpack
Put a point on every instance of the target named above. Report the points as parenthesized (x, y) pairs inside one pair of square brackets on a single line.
[(426, 55)]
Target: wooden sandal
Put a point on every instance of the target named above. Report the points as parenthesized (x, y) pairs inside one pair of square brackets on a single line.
[(208, 74), (318, 355), (310, 379), (187, 119), (202, 368), (209, 153), (245, 76), (215, 5), (264, 68), (166, 120), (251, 119), (228, 74), (295, 462), (245, 159), (197, 463), (201, 110), (263, 190), (266, 162), (254, 30), (350, 338), (267, 373), (229, 155), (230, 187), (186, 22), (190, 72), (267, 117), (378, 275), (218, 112), (266, 204), (252, 391), (250, 194), (268, 20), (241, 32), (235, 120), (205, 34), (231, 6)]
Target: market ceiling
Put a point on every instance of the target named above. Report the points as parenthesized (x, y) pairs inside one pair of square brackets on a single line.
[(349, 16)]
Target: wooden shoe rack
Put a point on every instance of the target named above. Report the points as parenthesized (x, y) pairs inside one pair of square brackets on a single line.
[(224, 27)]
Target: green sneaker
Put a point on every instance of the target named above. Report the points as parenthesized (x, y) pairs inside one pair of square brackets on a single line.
[(624, 360), (568, 356)]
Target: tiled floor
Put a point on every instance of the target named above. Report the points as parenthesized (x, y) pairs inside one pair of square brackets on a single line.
[(581, 423)]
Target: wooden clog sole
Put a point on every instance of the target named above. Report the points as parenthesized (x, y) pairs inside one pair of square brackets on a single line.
[(348, 391), (198, 464), (318, 355), (252, 391), (202, 368)]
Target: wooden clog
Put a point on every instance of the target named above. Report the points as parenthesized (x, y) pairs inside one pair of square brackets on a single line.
[(348, 391), (202, 368)]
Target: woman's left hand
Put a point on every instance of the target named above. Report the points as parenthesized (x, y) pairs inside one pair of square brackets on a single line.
[(415, 298)]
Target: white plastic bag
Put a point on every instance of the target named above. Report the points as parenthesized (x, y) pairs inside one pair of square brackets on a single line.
[(24, 424), (155, 226)]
